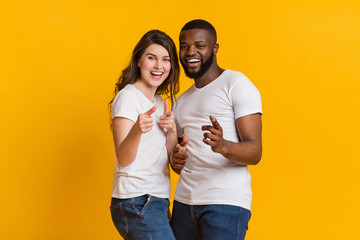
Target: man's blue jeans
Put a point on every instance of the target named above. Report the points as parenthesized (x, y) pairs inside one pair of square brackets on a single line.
[(209, 222), (144, 217)]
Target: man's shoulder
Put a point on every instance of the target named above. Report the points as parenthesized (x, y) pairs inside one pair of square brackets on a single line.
[(232, 79), (237, 83), (232, 75)]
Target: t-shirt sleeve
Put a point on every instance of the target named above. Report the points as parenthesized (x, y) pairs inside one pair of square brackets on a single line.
[(124, 106), (245, 97)]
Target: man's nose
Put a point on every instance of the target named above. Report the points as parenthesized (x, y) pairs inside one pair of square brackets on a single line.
[(191, 51)]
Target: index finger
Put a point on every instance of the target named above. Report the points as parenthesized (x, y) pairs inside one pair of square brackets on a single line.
[(166, 106), (215, 123), (184, 140)]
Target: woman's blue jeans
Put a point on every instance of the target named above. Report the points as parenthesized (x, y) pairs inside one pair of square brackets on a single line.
[(209, 222), (144, 217)]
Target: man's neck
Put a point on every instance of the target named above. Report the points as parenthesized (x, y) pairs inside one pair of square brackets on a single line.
[(213, 73)]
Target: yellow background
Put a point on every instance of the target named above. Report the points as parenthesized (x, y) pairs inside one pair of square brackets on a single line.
[(59, 60)]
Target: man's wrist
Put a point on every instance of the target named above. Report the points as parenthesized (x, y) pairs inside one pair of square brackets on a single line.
[(225, 148)]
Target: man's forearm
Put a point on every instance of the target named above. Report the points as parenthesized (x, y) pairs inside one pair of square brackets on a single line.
[(243, 153)]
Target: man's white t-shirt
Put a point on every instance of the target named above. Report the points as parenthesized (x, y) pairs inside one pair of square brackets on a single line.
[(208, 177), (149, 173)]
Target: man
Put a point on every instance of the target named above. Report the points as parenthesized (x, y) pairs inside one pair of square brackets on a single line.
[(220, 119)]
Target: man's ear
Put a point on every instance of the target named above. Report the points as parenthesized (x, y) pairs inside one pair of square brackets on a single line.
[(216, 48)]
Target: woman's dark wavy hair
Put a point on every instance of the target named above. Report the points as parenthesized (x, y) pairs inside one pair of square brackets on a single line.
[(170, 87)]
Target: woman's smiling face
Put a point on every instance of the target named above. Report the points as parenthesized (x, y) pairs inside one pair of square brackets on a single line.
[(154, 65)]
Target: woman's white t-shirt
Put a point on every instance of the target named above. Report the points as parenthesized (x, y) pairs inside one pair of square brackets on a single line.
[(149, 173)]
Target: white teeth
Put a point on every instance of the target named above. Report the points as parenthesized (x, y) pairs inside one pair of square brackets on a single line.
[(193, 60), (157, 73)]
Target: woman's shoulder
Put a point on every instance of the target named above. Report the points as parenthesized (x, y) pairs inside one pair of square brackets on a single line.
[(127, 93)]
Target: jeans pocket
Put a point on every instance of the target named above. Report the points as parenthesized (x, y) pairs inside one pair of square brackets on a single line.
[(119, 219), (140, 204)]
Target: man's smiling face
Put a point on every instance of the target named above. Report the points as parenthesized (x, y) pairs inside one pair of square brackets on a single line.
[(196, 52)]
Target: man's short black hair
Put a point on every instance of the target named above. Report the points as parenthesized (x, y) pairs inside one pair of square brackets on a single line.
[(200, 24)]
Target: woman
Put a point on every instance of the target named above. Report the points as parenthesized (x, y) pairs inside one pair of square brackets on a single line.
[(144, 134)]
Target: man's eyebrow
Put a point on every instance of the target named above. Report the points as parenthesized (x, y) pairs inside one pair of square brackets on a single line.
[(199, 41)]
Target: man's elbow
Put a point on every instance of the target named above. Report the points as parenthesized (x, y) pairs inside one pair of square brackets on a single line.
[(257, 156)]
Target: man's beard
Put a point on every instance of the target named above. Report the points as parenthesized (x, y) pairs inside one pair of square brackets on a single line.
[(203, 68)]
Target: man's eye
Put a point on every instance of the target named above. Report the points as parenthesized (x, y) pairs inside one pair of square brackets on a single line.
[(183, 47)]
